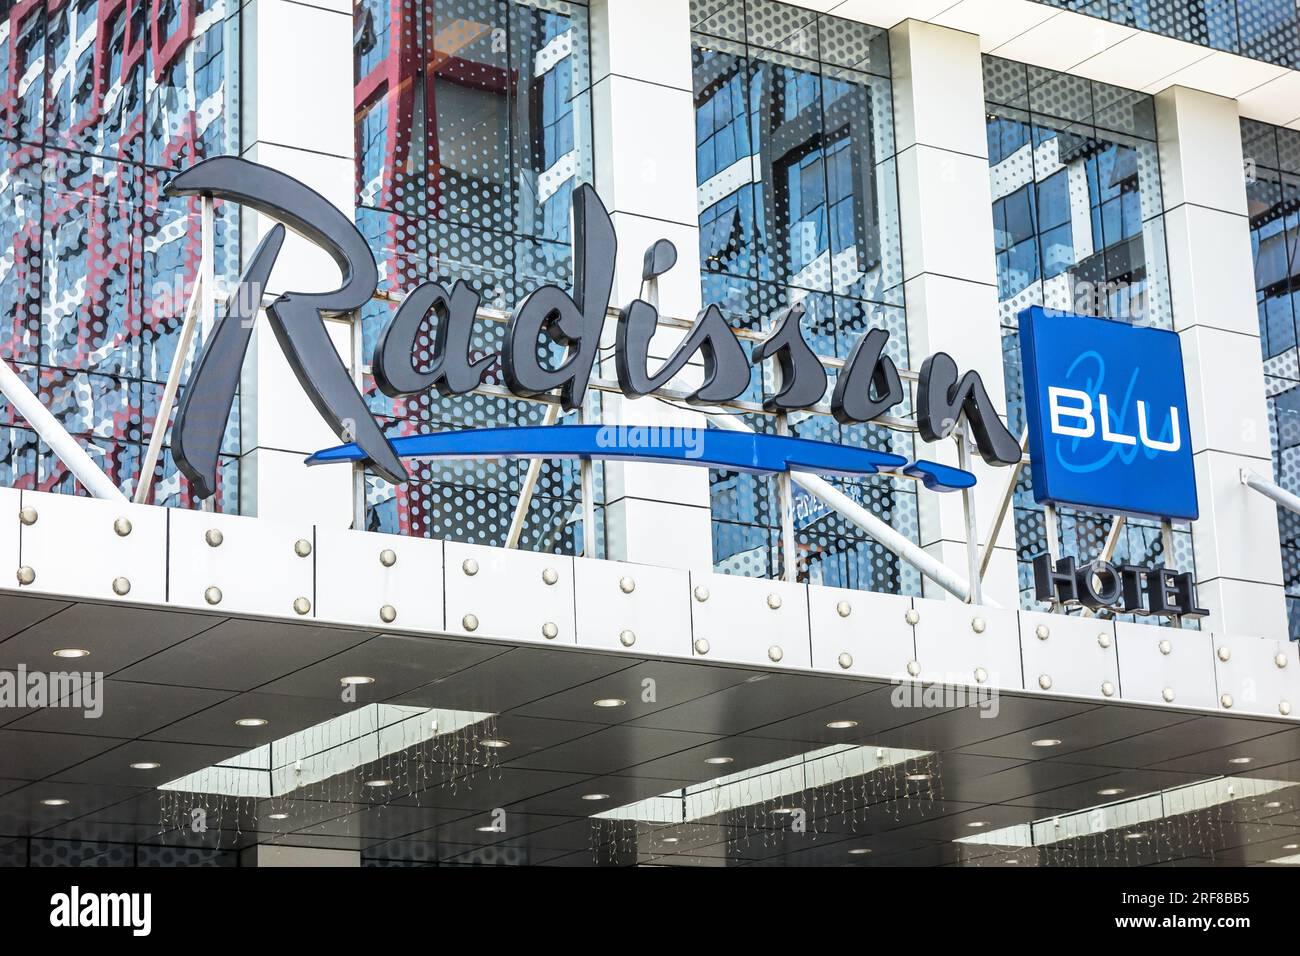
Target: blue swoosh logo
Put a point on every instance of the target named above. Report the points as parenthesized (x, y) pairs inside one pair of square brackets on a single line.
[(710, 448)]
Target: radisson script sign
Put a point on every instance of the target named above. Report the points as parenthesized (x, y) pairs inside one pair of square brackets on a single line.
[(867, 387)]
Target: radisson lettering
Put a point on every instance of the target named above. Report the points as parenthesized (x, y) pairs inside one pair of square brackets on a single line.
[(867, 386)]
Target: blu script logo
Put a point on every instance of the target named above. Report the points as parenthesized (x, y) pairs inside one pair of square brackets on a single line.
[(1106, 409), (75, 909)]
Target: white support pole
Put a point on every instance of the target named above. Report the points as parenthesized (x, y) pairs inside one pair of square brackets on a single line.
[(841, 503), (1270, 490), (1004, 506), (973, 567), (785, 491), (587, 476), (529, 486), (207, 294), (56, 436)]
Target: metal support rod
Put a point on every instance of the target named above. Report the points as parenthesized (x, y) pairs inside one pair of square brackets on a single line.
[(356, 329), (1109, 546), (56, 436), (789, 549), (1270, 490), (1167, 546), (585, 473), (973, 568), (206, 290), (530, 484), (168, 399), (899, 544), (1050, 527), (1004, 507)]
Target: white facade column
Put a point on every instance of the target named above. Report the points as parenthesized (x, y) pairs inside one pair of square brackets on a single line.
[(644, 121), (297, 88), (1238, 560), (946, 213)]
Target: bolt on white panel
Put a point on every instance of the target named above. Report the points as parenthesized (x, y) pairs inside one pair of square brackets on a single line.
[(861, 632), (92, 548), (967, 644), (505, 593), (222, 562), (750, 620), (632, 607), (1257, 675), (378, 580), (1070, 654), (1161, 665)]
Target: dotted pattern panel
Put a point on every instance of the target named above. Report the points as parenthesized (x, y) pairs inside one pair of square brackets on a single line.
[(96, 266)]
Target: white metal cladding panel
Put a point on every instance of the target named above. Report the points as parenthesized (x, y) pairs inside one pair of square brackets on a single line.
[(632, 607), (1257, 675), (241, 565), (499, 592), (963, 644), (122, 547), (384, 580), (1069, 655), (861, 632), (750, 620), (10, 504), (1165, 666)]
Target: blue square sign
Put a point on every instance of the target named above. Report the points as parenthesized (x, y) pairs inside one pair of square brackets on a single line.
[(1106, 406)]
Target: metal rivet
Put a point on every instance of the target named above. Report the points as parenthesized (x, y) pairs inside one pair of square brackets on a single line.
[(701, 594), (27, 515), (981, 675), (626, 638), (1226, 701), (121, 586), (1166, 647), (550, 576), (1284, 709), (1042, 632), (701, 646), (302, 547), (388, 614), (845, 660), (1168, 695), (1103, 640), (913, 668), (550, 631), (774, 601), (301, 605), (1045, 681), (1107, 688), (626, 585), (122, 526), (1280, 660), (774, 653), (26, 575), (469, 566), (212, 595), (844, 609), (214, 537), (977, 625), (912, 616), (1224, 654), (388, 557), (469, 622)]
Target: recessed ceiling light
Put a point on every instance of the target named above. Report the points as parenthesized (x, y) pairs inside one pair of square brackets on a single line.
[(1011, 862), (379, 782), (841, 724), (719, 759), (1140, 835), (486, 829), (55, 802), (1272, 805), (277, 816), (356, 679), (918, 777), (671, 840), (1291, 846), (784, 811), (859, 851), (72, 652), (493, 743), (1240, 760), (609, 702), (1045, 742), (251, 722), (595, 796), (146, 765), (976, 824), (1110, 792)]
